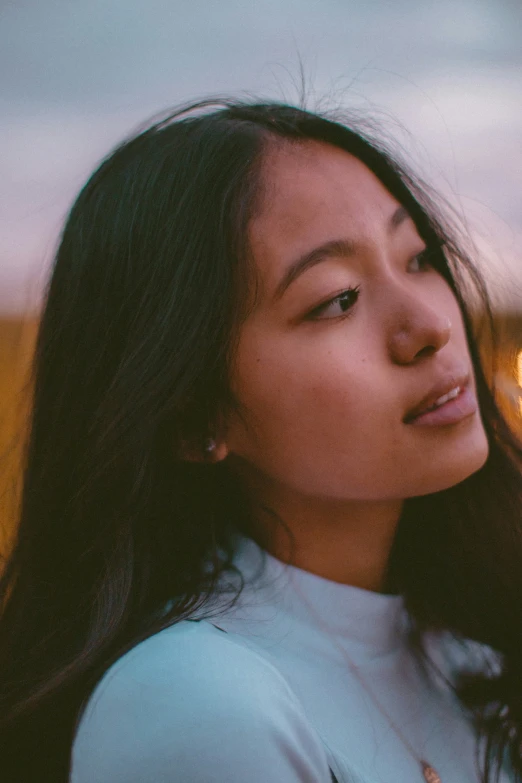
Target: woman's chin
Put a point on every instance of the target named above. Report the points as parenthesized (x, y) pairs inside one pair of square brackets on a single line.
[(454, 471)]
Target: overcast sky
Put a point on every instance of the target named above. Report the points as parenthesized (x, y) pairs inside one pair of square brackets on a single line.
[(76, 75)]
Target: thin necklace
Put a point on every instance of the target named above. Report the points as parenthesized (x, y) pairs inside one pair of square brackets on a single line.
[(430, 774)]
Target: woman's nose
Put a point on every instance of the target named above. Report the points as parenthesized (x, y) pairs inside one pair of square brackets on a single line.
[(417, 330)]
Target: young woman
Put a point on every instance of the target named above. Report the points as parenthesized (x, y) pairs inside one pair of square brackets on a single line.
[(271, 516)]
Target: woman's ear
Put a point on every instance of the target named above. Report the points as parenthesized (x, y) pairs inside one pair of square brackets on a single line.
[(208, 451)]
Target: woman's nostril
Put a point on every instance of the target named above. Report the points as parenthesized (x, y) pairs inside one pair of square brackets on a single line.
[(427, 351)]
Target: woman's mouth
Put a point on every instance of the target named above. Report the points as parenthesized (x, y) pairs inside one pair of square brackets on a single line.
[(450, 408)]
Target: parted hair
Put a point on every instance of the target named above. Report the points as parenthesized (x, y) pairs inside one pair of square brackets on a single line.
[(151, 282)]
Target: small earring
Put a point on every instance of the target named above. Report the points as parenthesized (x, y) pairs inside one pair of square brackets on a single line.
[(210, 445)]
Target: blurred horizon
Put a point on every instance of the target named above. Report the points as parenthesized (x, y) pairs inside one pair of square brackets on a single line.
[(443, 78)]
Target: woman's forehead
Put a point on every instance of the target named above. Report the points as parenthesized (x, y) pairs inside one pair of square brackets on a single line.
[(311, 191)]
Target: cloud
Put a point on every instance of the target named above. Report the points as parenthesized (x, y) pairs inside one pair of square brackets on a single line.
[(76, 77)]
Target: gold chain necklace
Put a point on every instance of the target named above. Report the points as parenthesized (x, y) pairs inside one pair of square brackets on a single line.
[(429, 773)]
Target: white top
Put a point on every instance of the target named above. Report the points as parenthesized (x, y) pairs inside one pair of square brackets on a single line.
[(273, 699)]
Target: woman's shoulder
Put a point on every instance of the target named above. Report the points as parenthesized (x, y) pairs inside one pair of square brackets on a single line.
[(188, 655), (193, 703)]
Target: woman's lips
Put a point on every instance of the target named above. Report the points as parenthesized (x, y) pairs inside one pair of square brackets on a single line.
[(451, 412)]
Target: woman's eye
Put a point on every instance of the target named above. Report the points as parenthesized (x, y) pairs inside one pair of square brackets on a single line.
[(338, 306), (421, 261), (342, 304)]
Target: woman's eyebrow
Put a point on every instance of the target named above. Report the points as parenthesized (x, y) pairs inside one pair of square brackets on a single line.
[(335, 247)]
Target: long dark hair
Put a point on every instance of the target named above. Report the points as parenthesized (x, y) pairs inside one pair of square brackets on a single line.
[(151, 282)]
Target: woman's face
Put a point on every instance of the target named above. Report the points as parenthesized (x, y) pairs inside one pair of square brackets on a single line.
[(331, 361)]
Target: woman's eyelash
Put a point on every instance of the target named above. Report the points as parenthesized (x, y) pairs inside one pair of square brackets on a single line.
[(424, 258), (351, 293), (432, 255)]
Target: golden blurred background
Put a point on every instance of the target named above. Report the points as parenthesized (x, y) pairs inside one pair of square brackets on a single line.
[(17, 341)]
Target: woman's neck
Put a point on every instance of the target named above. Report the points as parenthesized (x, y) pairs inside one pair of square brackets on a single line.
[(345, 542)]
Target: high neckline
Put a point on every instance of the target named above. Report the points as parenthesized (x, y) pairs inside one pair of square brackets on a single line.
[(366, 623)]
